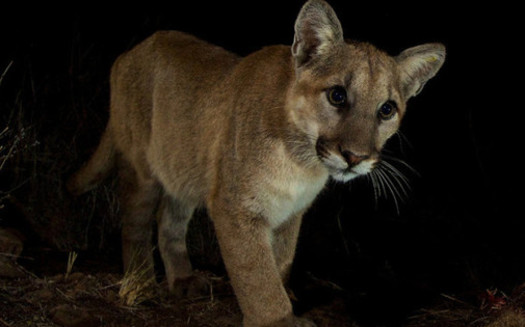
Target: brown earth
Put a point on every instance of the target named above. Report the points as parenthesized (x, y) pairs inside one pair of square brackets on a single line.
[(85, 300), (81, 298)]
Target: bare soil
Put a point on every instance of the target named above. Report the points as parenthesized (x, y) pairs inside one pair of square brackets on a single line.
[(88, 295), (83, 300)]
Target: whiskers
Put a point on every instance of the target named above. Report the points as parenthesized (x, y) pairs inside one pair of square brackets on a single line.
[(389, 181)]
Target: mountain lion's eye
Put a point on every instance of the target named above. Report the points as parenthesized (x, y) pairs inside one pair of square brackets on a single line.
[(337, 96), (387, 110)]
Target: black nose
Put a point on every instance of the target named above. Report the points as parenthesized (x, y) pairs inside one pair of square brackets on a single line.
[(353, 159)]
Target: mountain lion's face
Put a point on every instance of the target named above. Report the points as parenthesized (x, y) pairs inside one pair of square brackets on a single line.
[(349, 97), (349, 107)]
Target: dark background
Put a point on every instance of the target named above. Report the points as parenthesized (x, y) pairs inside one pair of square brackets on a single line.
[(458, 231)]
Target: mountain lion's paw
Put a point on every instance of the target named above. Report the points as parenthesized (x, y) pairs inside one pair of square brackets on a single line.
[(191, 287)]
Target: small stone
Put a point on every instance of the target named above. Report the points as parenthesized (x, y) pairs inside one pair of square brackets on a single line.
[(44, 294), (76, 276), (9, 269), (69, 316), (11, 244)]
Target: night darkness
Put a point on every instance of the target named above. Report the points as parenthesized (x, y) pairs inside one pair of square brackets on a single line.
[(459, 230)]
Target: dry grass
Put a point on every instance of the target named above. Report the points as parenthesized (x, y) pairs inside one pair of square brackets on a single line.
[(509, 318), (71, 258), (112, 300), (54, 121), (138, 285), (492, 309), (96, 300), (5, 71)]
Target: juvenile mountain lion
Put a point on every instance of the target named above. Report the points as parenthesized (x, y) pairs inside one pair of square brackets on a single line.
[(253, 139)]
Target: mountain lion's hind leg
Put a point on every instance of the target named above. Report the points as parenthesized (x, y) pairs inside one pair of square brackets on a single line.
[(172, 227), (139, 200)]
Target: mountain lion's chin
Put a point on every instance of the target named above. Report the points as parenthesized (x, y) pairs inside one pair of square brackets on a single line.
[(345, 175)]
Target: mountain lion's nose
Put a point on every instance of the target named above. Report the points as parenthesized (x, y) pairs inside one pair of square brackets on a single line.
[(353, 159)]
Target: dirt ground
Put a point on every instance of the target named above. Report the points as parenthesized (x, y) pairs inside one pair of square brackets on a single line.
[(82, 299), (55, 293)]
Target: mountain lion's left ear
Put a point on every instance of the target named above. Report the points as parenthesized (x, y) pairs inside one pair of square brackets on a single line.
[(419, 64)]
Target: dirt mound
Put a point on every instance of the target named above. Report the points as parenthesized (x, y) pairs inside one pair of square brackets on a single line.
[(81, 299)]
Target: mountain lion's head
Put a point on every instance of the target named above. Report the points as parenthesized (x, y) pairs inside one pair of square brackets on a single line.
[(350, 97)]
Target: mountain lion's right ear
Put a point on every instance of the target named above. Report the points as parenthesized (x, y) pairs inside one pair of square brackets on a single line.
[(317, 32), (419, 64)]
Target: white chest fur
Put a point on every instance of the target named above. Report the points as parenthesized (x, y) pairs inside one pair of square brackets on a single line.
[(290, 198), (280, 196)]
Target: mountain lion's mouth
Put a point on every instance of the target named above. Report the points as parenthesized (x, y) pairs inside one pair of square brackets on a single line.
[(338, 166), (341, 171), (363, 168)]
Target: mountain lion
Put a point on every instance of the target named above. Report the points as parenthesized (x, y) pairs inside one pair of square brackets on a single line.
[(252, 139)]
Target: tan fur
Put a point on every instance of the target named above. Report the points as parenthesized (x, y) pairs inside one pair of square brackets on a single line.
[(252, 139)]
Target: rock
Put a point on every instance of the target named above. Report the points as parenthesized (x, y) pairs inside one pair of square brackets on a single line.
[(43, 294), (11, 246), (70, 316), (9, 269), (76, 277)]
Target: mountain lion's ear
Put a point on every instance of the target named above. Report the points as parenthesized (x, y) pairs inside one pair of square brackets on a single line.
[(317, 31), (419, 64)]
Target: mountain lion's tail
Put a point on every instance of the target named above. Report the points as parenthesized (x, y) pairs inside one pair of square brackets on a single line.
[(96, 169)]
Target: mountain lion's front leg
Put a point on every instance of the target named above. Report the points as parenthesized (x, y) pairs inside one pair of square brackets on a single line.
[(284, 244), (245, 243)]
